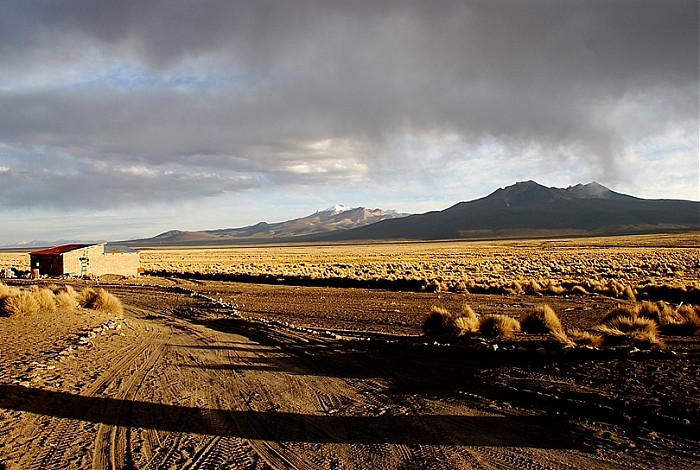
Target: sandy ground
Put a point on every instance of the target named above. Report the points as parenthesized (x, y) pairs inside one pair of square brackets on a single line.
[(223, 375)]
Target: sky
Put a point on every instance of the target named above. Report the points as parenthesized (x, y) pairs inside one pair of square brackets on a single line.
[(126, 119)]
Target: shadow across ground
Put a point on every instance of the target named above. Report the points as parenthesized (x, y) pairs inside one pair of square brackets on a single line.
[(554, 383), (498, 431)]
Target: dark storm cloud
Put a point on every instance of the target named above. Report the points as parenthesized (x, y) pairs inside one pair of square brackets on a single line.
[(244, 89)]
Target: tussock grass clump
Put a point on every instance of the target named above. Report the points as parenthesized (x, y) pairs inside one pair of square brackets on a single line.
[(68, 289), (668, 315), (585, 338), (542, 320), (532, 287), (620, 311), (439, 322), (498, 326), (7, 291), (649, 310), (46, 300), (579, 290), (684, 321), (646, 340), (85, 297), (555, 289), (65, 296), (467, 321), (639, 331), (561, 337), (65, 301), (633, 324), (100, 300), (23, 303), (15, 301)]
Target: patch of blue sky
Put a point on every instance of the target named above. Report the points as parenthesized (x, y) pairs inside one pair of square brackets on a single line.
[(133, 76), (658, 146), (125, 75)]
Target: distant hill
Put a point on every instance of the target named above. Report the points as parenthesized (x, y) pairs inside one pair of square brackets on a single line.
[(35, 244), (528, 209), (523, 210), (336, 218)]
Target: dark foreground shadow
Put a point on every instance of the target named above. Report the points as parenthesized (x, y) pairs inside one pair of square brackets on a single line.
[(494, 431)]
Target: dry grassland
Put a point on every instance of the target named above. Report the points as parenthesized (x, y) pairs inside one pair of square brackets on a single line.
[(656, 266), (620, 267)]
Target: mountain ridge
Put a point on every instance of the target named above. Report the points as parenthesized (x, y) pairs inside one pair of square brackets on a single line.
[(523, 210), (335, 218), (530, 209)]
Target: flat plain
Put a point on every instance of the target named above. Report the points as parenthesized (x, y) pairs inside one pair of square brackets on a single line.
[(315, 357)]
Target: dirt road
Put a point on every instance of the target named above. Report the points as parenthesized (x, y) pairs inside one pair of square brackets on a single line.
[(185, 381)]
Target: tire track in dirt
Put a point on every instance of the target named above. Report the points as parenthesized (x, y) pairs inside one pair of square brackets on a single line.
[(253, 394), (331, 396), (63, 433), (111, 446), (187, 369)]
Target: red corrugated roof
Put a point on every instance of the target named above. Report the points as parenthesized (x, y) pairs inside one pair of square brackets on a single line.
[(57, 250)]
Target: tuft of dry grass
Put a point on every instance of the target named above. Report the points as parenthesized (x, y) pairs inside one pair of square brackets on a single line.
[(562, 338), (684, 321), (681, 321), (7, 291), (23, 303), (65, 301), (85, 297), (638, 331), (542, 320), (579, 290), (633, 325), (498, 326), (466, 321), (668, 315), (68, 289), (585, 338), (628, 294), (439, 322), (15, 301), (554, 289), (647, 340), (649, 310), (46, 300), (100, 300), (620, 311)]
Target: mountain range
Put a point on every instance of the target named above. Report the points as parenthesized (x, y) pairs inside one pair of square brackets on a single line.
[(525, 209), (528, 209), (336, 218)]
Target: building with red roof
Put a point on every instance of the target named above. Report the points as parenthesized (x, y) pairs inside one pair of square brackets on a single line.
[(85, 260)]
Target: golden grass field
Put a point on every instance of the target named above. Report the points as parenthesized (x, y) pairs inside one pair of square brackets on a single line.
[(616, 266), (604, 265)]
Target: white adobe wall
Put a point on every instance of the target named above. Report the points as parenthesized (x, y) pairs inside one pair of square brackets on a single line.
[(100, 263), (71, 260), (123, 264)]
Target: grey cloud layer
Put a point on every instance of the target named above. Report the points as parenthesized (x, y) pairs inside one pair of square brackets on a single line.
[(268, 79)]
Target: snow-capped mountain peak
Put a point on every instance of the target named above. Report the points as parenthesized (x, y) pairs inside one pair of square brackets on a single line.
[(337, 209)]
